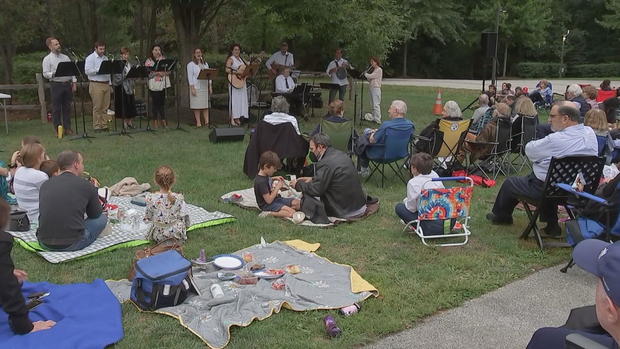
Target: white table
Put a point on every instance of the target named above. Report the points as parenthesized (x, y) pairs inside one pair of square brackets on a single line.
[(4, 97)]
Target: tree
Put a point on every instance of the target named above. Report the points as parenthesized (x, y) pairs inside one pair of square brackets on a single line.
[(612, 19)]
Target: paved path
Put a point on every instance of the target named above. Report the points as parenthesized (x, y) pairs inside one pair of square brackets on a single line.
[(559, 85), (504, 318)]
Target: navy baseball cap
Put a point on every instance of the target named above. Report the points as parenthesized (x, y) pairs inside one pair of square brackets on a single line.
[(603, 260)]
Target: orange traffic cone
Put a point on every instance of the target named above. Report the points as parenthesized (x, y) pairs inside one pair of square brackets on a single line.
[(438, 107)]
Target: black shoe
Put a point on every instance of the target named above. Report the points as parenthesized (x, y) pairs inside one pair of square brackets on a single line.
[(498, 220), (553, 231)]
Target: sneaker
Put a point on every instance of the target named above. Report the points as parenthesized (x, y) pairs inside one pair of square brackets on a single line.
[(378, 121), (496, 220), (264, 214), (368, 117)]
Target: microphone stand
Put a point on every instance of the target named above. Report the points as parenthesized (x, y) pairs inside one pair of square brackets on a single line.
[(176, 97), (230, 86), (80, 88)]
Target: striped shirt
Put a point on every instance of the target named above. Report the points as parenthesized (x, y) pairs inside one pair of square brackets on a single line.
[(26, 184)]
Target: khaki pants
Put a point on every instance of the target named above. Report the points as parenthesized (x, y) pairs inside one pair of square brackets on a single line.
[(100, 95)]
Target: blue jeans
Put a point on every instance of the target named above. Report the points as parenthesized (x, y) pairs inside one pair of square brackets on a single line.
[(92, 229), (404, 214), (428, 227), (342, 90)]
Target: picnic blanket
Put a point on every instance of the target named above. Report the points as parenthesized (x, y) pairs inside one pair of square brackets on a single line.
[(248, 201), (119, 237), (86, 316), (321, 284)]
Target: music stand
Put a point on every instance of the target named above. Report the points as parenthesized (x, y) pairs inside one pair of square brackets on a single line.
[(76, 68), (111, 67), (67, 69), (140, 72), (207, 74), (168, 66)]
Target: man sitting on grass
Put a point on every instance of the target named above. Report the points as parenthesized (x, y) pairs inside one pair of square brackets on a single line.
[(63, 201), (570, 138), (267, 189)]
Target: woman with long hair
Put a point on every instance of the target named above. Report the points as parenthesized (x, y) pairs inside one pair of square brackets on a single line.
[(124, 100), (158, 83), (238, 103), (374, 81), (200, 89)]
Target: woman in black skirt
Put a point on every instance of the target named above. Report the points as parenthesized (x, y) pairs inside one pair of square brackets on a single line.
[(124, 99)]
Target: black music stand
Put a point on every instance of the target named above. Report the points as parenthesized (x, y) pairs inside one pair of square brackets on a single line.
[(113, 67), (77, 66), (168, 66)]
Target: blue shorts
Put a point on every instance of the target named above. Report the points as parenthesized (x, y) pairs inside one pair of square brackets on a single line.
[(277, 203)]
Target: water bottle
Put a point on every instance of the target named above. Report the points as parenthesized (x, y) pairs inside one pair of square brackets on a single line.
[(60, 131), (216, 291), (330, 326)]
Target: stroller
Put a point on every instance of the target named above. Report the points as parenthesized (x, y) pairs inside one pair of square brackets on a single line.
[(444, 209)]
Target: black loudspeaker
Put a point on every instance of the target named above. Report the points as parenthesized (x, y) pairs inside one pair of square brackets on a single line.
[(488, 41), (227, 134)]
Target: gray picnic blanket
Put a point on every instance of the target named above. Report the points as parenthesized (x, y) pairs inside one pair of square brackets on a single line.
[(321, 284), (120, 235)]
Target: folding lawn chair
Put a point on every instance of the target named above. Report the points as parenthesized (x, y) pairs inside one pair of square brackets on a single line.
[(495, 162), (447, 142), (340, 134), (561, 170), (446, 205), (394, 149), (520, 140)]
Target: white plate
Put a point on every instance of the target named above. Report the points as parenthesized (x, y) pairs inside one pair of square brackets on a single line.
[(267, 276), (228, 262)]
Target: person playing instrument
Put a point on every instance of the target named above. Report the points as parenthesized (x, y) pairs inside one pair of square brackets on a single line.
[(158, 83), (284, 81), (280, 59), (124, 99), (61, 87), (238, 102), (337, 70), (98, 86), (374, 75), (199, 89)]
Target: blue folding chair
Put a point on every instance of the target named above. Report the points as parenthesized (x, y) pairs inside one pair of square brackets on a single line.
[(395, 148)]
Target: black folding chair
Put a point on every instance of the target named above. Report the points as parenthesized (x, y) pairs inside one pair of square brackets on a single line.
[(520, 140), (561, 170), (495, 162)]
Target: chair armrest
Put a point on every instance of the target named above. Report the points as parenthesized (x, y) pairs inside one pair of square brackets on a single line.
[(421, 137), (585, 195), (578, 341), (481, 143)]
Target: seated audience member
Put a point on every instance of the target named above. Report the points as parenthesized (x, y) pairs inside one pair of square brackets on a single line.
[(510, 100), (284, 82), (590, 93), (606, 85), (64, 200), (574, 94), (570, 138), (165, 209), (610, 107), (519, 92), (542, 94), (335, 113), (483, 106), (279, 113), (16, 158), (491, 92), (50, 168), (267, 189), (507, 89), (422, 172), (4, 184), (28, 180), (452, 112), (524, 107), (477, 151), (596, 119), (601, 259), (11, 298), (335, 181), (397, 121)]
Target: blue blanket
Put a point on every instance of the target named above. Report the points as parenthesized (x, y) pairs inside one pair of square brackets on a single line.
[(86, 315)]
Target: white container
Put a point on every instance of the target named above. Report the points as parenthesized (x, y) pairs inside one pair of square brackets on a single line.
[(216, 291)]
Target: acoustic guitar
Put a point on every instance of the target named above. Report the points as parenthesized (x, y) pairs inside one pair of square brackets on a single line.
[(238, 78)]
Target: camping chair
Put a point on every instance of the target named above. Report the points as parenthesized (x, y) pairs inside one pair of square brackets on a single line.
[(561, 170), (395, 148), (603, 95), (520, 140), (447, 142), (444, 205), (495, 162), (340, 134)]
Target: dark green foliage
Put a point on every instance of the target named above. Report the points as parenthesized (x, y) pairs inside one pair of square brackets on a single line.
[(594, 70), (537, 69)]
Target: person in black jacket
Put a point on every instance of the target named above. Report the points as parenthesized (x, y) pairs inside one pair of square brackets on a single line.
[(11, 298)]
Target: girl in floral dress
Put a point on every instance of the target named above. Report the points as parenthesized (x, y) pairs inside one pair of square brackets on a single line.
[(165, 209)]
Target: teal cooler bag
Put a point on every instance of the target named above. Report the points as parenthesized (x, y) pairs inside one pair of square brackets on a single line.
[(163, 280)]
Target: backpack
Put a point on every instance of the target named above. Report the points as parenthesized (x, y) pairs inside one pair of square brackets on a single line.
[(163, 280), (581, 229)]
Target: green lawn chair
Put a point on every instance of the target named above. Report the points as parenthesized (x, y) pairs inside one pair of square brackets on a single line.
[(340, 134)]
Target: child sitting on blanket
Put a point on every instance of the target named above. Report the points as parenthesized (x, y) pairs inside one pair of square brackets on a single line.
[(267, 188), (11, 298), (50, 168), (165, 209)]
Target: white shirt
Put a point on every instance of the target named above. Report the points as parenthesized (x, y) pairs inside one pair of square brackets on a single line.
[(281, 59), (335, 64), (281, 82), (91, 67), (571, 141), (375, 78), (415, 186), (50, 63), (280, 118), (27, 184), (193, 70)]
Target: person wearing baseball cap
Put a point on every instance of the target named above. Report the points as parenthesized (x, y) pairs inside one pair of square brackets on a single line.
[(603, 260)]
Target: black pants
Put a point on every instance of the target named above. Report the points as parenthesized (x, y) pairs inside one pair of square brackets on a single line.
[(341, 92), (528, 186), (158, 103), (62, 96), (537, 98)]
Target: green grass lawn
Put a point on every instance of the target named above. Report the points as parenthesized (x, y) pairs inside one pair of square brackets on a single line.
[(414, 281)]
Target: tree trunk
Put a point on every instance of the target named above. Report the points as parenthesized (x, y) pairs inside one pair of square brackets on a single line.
[(505, 60), (8, 52), (94, 30), (405, 49), (151, 29), (139, 26)]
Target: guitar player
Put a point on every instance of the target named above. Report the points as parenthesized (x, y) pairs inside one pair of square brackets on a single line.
[(337, 70), (279, 60)]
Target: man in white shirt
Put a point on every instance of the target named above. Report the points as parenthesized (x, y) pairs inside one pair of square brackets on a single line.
[(279, 113), (98, 87), (61, 88), (332, 69), (570, 138), (284, 82), (282, 58)]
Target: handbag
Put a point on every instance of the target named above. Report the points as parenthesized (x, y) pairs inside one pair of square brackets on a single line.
[(18, 221), (164, 246)]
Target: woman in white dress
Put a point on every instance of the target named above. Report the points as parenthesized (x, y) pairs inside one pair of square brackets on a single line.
[(199, 89), (238, 103)]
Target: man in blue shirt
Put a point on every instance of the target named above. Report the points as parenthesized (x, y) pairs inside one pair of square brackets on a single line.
[(365, 149)]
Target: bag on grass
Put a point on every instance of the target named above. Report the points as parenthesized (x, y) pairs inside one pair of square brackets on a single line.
[(581, 229), (18, 221), (164, 246), (162, 281)]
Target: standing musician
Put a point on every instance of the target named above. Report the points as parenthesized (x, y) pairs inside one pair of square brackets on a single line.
[(337, 70), (158, 83), (62, 88), (199, 89), (98, 86), (124, 99), (280, 59), (238, 103), (374, 74)]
